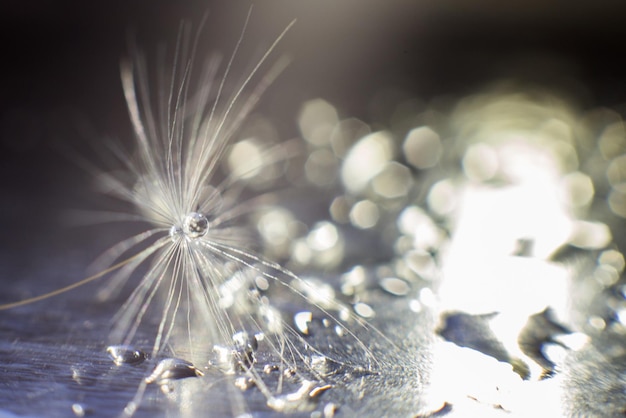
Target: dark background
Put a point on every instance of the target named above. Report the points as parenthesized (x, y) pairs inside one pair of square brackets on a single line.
[(60, 88)]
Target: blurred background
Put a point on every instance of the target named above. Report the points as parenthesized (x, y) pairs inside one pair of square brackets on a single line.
[(60, 85)]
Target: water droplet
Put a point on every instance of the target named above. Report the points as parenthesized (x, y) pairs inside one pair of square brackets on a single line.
[(289, 372), (339, 330), (395, 286), (245, 346), (124, 354), (271, 367), (170, 369), (80, 410), (302, 321), (244, 383), (427, 297), (415, 306), (195, 225), (364, 310), (322, 365)]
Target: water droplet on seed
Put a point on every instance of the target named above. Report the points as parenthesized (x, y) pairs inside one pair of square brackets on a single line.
[(245, 346), (195, 225)]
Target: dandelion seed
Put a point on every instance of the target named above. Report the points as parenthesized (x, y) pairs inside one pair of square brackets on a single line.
[(202, 297)]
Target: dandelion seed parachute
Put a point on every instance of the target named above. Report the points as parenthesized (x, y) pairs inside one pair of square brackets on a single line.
[(198, 292)]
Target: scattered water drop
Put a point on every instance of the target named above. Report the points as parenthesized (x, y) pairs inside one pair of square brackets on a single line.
[(245, 346), (322, 365), (171, 369), (124, 354), (244, 383), (395, 286), (80, 410), (364, 310), (302, 321), (415, 306)]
